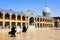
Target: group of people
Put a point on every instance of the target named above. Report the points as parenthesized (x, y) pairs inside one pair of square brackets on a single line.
[(16, 30)]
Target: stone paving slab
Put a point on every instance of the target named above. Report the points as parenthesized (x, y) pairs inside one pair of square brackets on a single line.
[(32, 34)]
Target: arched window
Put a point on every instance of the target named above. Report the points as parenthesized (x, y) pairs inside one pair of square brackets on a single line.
[(27, 18), (38, 19), (43, 19), (13, 16), (7, 16), (1, 15)]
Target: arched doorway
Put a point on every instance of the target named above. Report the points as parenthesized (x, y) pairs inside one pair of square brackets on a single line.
[(31, 21), (13, 17), (7, 25), (23, 18), (18, 17), (1, 24)]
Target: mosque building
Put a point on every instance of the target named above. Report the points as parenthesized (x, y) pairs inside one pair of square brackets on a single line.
[(30, 19)]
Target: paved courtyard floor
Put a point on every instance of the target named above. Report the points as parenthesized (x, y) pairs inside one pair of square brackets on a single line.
[(32, 34)]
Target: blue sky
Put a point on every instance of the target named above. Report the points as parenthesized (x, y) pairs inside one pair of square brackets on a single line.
[(35, 5)]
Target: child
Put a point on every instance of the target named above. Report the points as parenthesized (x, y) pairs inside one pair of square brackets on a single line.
[(18, 29)]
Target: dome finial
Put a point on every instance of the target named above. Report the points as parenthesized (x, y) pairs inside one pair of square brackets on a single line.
[(46, 4)]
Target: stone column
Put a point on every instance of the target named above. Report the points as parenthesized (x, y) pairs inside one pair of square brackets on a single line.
[(26, 21), (39, 22), (58, 23), (46, 22), (10, 20), (16, 21), (52, 23), (36, 23), (21, 21), (3, 20), (42, 22)]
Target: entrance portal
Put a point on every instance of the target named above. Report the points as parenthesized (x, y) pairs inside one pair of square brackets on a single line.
[(31, 22)]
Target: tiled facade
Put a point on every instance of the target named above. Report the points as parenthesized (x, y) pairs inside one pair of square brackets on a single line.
[(10, 18)]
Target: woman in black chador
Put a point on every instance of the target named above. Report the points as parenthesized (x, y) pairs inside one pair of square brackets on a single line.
[(24, 29), (12, 32)]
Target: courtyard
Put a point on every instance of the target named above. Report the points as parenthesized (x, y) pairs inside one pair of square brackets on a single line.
[(32, 34)]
